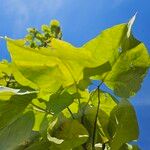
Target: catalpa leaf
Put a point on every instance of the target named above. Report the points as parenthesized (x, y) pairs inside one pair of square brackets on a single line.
[(123, 126), (70, 134), (128, 57), (107, 103), (60, 61), (129, 68), (129, 41), (12, 106), (105, 46), (33, 68), (59, 101), (128, 71), (17, 132)]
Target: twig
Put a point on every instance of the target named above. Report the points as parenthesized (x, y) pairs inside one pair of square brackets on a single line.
[(41, 109), (103, 146), (96, 117), (70, 113)]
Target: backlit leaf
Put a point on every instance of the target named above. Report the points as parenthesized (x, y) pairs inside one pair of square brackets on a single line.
[(123, 126), (72, 134)]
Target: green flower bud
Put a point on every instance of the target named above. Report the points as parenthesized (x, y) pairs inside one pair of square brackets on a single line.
[(33, 44), (39, 36), (32, 30), (29, 37), (36, 39), (45, 28), (55, 23)]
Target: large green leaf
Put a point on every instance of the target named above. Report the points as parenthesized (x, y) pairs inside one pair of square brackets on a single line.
[(128, 71), (128, 57), (33, 68), (48, 67), (73, 59), (88, 120), (105, 47), (59, 101), (16, 133), (123, 126), (107, 101), (11, 106), (68, 135)]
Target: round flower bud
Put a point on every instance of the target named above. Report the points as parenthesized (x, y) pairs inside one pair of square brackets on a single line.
[(55, 23)]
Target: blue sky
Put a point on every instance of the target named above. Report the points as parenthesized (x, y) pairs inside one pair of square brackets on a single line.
[(82, 20)]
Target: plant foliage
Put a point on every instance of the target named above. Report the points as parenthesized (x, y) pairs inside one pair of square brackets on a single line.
[(45, 103)]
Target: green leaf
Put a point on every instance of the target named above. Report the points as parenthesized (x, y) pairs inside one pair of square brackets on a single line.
[(78, 148), (128, 57), (70, 133), (129, 41), (88, 120), (105, 46), (69, 56), (123, 126), (5, 71), (129, 147), (59, 101), (128, 71), (60, 61), (93, 73), (107, 101), (12, 106), (39, 116), (33, 68), (39, 109), (4, 67), (39, 146), (17, 133)]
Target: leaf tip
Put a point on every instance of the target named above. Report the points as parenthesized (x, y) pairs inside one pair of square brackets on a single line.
[(130, 24)]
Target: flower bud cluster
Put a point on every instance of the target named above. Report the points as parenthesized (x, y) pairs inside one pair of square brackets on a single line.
[(37, 39)]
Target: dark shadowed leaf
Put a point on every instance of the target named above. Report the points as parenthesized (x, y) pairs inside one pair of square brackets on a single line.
[(17, 132)]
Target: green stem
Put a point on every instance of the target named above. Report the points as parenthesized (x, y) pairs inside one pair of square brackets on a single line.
[(103, 146), (96, 117), (41, 109), (77, 93), (70, 113), (73, 80)]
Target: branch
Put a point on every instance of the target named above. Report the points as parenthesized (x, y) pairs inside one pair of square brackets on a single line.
[(70, 113), (103, 146), (41, 109), (96, 117)]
